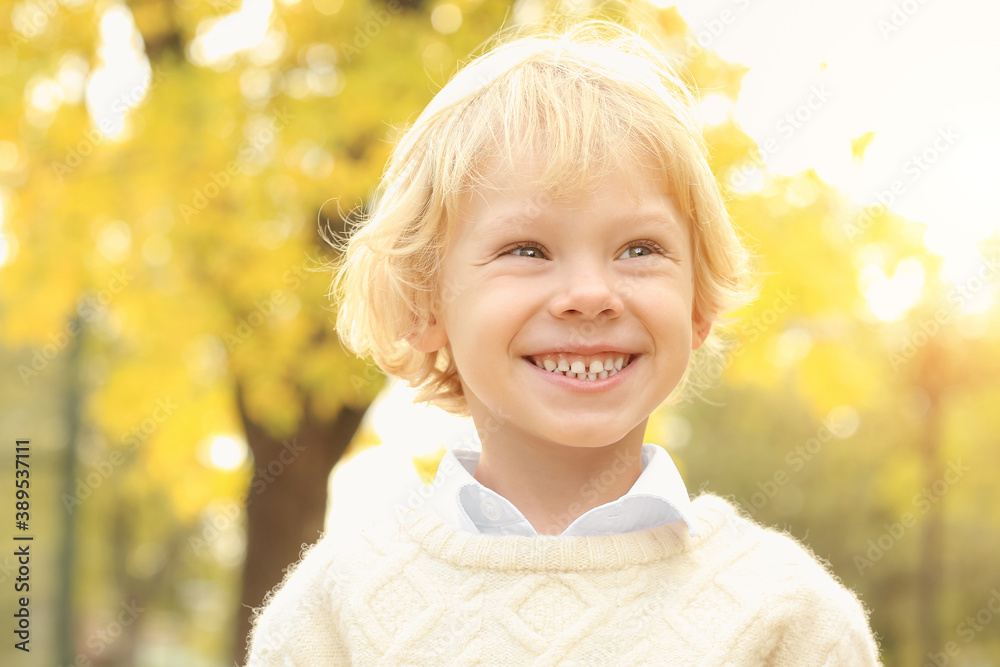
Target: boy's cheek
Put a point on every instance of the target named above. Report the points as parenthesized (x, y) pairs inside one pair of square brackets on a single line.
[(451, 290)]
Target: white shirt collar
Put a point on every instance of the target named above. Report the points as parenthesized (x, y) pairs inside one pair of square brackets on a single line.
[(657, 497)]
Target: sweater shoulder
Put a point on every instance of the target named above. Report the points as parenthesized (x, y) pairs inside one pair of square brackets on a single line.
[(299, 617), (772, 555), (794, 591)]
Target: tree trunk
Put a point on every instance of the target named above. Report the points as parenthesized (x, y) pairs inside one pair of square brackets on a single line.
[(286, 504)]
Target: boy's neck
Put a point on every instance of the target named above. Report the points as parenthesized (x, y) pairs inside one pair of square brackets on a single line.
[(554, 485)]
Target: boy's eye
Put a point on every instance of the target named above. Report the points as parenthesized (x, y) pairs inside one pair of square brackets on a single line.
[(641, 249), (527, 251), (637, 249)]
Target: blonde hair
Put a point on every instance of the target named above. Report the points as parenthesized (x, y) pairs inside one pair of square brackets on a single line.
[(595, 95)]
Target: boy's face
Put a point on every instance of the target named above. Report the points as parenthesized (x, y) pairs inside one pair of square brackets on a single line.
[(527, 280)]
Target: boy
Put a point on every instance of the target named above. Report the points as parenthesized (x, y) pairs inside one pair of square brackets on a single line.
[(547, 249)]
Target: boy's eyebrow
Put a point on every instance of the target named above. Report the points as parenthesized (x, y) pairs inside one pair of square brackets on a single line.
[(658, 217)]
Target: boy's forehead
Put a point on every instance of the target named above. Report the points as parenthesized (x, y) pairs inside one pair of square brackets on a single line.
[(529, 173), (521, 187)]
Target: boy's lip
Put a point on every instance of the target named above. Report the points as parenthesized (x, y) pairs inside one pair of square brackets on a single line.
[(586, 350)]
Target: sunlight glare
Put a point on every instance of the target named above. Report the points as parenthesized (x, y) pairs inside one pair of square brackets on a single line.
[(405, 429), (225, 452), (714, 109), (418, 428), (221, 38), (124, 77), (890, 298)]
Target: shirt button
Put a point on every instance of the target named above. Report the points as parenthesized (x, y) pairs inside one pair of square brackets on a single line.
[(490, 509)]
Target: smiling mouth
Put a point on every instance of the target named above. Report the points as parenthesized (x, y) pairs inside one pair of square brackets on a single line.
[(590, 367)]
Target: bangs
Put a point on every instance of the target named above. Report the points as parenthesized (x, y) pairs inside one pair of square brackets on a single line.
[(572, 121)]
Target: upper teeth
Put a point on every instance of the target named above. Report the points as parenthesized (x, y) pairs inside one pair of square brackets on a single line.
[(583, 367)]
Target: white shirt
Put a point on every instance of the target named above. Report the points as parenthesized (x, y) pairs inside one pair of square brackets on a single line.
[(657, 497)]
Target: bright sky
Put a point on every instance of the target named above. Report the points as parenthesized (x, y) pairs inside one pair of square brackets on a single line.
[(922, 75)]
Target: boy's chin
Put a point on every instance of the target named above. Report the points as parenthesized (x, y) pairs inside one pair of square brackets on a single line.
[(584, 438)]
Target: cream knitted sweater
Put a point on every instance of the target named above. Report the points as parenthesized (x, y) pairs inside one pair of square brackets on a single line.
[(416, 592)]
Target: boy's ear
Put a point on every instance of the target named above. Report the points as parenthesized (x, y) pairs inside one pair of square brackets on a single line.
[(700, 328), (430, 338)]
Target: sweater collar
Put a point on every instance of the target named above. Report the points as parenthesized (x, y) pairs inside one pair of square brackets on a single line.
[(563, 553)]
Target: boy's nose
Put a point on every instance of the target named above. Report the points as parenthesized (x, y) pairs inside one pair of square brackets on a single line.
[(586, 292)]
